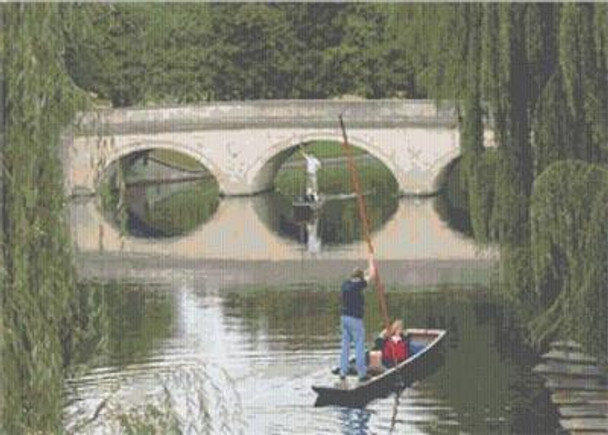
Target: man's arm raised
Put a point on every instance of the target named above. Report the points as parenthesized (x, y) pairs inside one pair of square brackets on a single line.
[(370, 273)]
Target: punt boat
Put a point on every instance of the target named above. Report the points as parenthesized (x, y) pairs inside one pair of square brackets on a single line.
[(426, 355)]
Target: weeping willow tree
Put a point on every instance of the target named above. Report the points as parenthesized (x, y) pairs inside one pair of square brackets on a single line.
[(570, 253), (446, 41), (540, 71), (43, 311)]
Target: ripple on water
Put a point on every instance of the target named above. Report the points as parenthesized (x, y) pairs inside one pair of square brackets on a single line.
[(190, 391), (264, 376)]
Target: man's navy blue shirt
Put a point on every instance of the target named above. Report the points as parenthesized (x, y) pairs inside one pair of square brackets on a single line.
[(352, 297)]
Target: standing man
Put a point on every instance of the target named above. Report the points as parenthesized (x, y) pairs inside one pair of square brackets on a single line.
[(351, 320), (312, 166)]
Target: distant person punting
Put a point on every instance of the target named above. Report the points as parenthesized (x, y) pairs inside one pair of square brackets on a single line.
[(312, 185)]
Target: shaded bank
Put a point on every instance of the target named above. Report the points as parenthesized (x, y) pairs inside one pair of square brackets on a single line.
[(558, 280)]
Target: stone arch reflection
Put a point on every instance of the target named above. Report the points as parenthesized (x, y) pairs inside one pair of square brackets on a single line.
[(451, 204), (336, 224), (158, 193)]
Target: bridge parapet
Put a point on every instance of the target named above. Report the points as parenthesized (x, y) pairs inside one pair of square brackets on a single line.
[(269, 113)]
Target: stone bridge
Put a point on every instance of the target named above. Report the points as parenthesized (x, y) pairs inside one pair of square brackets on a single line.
[(243, 144)]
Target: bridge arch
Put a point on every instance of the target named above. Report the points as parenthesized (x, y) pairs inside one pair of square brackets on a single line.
[(268, 164), (243, 144), (442, 165), (114, 154)]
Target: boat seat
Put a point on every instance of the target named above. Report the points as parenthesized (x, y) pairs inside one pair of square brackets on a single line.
[(416, 347)]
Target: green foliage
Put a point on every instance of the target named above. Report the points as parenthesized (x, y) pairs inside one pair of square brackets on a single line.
[(373, 174), (481, 194), (252, 52), (46, 317), (108, 57), (568, 216), (179, 59), (516, 278), (542, 71), (182, 212), (585, 82), (150, 420), (150, 53), (554, 138), (362, 63), (593, 301), (452, 204)]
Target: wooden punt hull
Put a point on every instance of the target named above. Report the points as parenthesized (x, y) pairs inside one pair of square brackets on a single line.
[(305, 210), (312, 205), (416, 367)]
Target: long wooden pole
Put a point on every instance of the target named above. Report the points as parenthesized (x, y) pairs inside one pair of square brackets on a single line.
[(363, 216)]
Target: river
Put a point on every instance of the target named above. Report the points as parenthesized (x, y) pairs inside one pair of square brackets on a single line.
[(232, 320)]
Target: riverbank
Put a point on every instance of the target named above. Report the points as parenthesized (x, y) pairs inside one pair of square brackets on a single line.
[(147, 268), (578, 388)]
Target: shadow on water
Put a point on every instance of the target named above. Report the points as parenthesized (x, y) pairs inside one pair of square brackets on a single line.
[(337, 223), (452, 202)]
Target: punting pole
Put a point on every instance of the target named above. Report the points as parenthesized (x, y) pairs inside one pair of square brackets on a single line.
[(363, 216)]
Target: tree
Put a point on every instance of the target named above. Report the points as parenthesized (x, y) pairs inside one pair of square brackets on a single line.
[(43, 314), (108, 57), (569, 253), (251, 54)]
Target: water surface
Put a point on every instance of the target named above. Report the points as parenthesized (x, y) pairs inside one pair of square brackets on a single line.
[(228, 310), (267, 346)]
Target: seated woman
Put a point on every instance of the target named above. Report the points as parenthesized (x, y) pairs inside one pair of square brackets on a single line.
[(393, 344)]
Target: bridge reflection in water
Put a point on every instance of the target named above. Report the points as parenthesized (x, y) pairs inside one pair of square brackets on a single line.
[(238, 231)]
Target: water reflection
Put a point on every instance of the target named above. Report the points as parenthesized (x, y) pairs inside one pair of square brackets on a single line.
[(452, 204), (150, 199), (237, 231), (159, 193), (354, 421), (141, 318), (336, 223), (453, 214), (313, 239), (176, 209), (165, 195)]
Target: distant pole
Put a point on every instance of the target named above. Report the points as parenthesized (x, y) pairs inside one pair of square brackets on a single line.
[(363, 216)]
